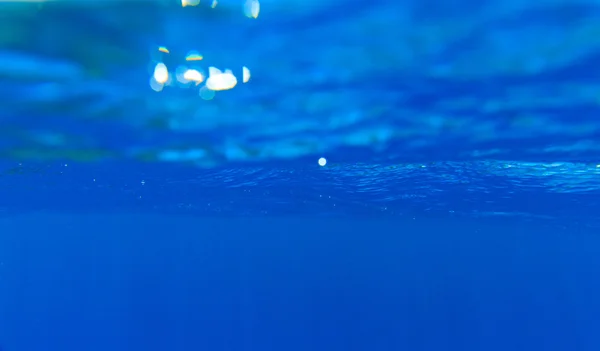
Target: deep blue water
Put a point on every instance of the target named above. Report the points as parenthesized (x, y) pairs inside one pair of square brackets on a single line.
[(142, 282), (144, 208)]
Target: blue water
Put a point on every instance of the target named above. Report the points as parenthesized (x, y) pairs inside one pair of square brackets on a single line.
[(417, 175)]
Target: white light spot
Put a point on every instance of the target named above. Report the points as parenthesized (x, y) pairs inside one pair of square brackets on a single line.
[(161, 74), (179, 74), (251, 8), (245, 74), (322, 161), (218, 80), (194, 76), (214, 4), (156, 86)]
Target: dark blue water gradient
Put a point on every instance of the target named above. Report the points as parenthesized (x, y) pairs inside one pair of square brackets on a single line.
[(154, 282)]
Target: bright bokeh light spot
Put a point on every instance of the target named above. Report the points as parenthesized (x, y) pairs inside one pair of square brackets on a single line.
[(322, 161), (163, 49), (185, 3), (192, 75), (245, 74), (251, 8), (179, 74), (156, 86), (161, 74), (218, 80), (193, 56), (214, 4)]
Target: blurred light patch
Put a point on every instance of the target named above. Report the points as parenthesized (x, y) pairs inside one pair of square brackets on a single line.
[(156, 86), (218, 80), (192, 75), (180, 74), (163, 49), (206, 94), (322, 161), (181, 155), (245, 74), (251, 8), (185, 3), (193, 56), (161, 74), (214, 4)]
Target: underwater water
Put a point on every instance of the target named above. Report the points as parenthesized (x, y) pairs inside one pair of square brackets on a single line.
[(300, 175)]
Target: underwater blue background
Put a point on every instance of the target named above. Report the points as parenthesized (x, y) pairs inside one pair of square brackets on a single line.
[(154, 283), (458, 207)]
